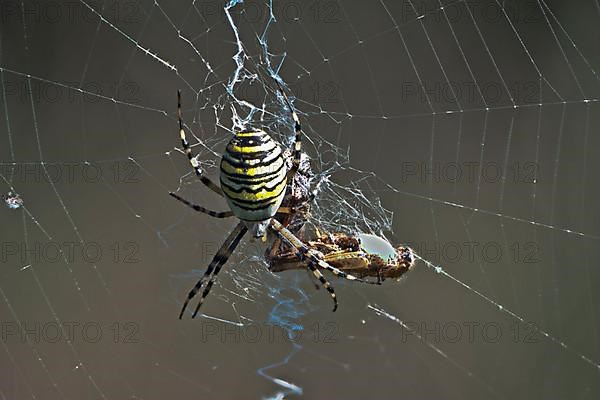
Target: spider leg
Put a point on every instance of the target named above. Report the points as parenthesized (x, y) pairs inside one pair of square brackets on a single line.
[(287, 213), (304, 252), (196, 207), (313, 268), (188, 151), (313, 260), (311, 277), (298, 141), (215, 265)]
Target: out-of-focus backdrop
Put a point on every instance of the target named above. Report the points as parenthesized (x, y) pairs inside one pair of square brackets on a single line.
[(465, 129)]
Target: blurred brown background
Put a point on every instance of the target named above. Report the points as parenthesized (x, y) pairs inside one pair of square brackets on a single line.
[(480, 117)]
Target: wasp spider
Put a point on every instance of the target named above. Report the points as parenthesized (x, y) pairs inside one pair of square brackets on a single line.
[(254, 178)]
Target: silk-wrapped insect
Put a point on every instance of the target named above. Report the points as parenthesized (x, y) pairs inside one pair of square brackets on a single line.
[(362, 255)]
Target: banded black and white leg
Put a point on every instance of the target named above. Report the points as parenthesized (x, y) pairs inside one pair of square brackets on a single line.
[(313, 260), (297, 156), (210, 184), (214, 267), (196, 207), (188, 152), (297, 153)]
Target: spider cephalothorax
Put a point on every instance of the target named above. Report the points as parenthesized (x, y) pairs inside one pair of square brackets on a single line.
[(254, 176), (298, 194)]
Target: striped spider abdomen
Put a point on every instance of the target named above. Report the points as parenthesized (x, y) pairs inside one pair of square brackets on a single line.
[(253, 176)]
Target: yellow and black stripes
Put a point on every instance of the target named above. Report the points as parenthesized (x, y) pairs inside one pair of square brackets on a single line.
[(188, 152), (253, 175), (215, 265)]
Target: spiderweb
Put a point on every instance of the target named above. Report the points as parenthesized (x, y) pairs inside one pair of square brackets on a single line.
[(470, 123)]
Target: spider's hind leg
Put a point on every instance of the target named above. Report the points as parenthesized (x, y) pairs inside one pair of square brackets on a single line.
[(214, 267)]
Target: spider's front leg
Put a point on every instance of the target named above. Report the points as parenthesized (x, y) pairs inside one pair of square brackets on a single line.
[(297, 150)]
